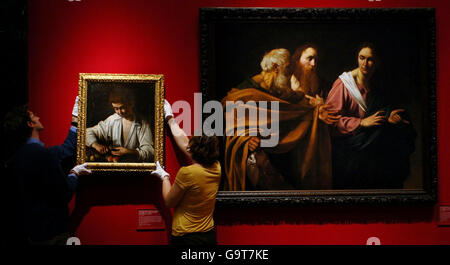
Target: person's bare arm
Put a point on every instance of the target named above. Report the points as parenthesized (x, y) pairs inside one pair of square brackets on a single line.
[(179, 135), (172, 194)]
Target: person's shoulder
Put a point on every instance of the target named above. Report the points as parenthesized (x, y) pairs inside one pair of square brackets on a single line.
[(37, 151), (184, 174), (214, 168), (252, 82), (33, 146), (113, 117), (338, 81), (27, 148), (338, 84), (186, 170)]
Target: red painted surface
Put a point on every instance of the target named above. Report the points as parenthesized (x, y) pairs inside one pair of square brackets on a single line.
[(161, 37)]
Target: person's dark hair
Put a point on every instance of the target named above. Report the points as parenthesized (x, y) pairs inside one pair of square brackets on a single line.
[(298, 53), (121, 95), (380, 72), (368, 45), (15, 124), (15, 128), (204, 149)]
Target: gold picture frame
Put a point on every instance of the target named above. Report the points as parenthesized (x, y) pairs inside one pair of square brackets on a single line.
[(147, 91)]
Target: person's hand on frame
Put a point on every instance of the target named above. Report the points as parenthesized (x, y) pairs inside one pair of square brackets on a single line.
[(81, 170), (160, 172), (168, 113)]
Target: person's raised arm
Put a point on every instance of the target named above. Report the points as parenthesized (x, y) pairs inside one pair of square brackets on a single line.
[(179, 135), (69, 146), (75, 112)]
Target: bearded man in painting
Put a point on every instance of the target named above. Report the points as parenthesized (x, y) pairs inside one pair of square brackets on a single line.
[(302, 127)]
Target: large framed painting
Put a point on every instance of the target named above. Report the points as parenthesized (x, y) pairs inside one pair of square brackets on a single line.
[(120, 122), (323, 106)]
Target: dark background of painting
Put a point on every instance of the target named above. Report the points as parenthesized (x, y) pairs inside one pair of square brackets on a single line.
[(99, 108), (402, 49)]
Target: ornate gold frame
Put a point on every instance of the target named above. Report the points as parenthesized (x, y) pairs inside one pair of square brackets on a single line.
[(158, 80)]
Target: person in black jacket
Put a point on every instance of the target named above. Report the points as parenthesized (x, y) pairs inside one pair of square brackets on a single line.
[(39, 187)]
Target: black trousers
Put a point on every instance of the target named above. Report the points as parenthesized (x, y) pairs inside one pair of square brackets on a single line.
[(195, 239)]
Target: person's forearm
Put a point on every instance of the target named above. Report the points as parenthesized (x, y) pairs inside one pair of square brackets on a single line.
[(166, 186), (133, 152), (348, 125), (179, 135), (72, 183), (145, 153), (68, 148)]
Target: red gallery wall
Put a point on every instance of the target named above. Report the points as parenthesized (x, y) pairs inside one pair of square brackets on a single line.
[(67, 37)]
